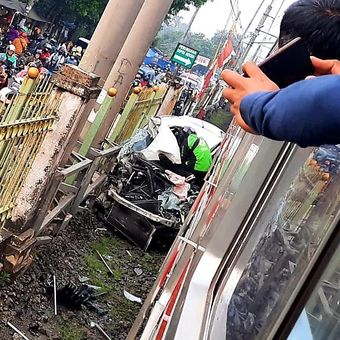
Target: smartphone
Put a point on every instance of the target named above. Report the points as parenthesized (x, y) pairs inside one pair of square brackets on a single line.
[(288, 64)]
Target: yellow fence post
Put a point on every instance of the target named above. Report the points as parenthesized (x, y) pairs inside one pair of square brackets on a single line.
[(124, 116), (142, 105), (96, 125), (24, 123)]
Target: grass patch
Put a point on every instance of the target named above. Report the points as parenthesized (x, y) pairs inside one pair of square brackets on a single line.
[(103, 245), (98, 273), (104, 286), (125, 310), (5, 278), (117, 273), (95, 264), (106, 244), (72, 332)]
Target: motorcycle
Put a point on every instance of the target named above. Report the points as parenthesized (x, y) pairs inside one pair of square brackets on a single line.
[(11, 90)]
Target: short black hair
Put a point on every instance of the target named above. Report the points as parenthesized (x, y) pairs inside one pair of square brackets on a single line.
[(317, 22)]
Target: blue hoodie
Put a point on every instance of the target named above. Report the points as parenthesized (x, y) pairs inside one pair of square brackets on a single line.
[(306, 113)]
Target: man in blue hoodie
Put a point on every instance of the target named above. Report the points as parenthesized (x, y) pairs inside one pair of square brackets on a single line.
[(307, 112)]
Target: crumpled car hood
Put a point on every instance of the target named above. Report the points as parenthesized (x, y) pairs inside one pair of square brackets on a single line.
[(165, 142)]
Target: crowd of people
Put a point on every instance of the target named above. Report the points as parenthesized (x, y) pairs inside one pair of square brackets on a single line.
[(23, 47), (151, 75)]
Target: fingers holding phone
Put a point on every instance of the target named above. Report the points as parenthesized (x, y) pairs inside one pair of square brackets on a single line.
[(287, 65), (240, 87), (324, 67)]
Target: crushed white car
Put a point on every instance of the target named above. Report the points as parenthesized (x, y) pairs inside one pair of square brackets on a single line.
[(143, 200)]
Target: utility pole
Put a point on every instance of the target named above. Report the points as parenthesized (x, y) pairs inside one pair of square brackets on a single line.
[(146, 26), (254, 35), (238, 50), (266, 42), (184, 39), (109, 36)]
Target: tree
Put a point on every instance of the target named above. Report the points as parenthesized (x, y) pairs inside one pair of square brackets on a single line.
[(92, 9), (202, 44), (179, 5), (87, 13), (172, 32), (168, 38)]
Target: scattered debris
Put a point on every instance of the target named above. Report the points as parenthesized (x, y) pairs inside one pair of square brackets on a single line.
[(55, 295), (35, 287), (94, 287), (138, 271), (83, 279), (17, 331), (101, 230), (131, 297), (95, 308), (105, 263), (108, 257), (93, 324), (129, 253), (74, 297)]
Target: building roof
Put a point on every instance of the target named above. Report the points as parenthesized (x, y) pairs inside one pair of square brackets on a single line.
[(20, 7)]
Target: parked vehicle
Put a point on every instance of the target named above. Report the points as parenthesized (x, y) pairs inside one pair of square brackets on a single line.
[(192, 81)]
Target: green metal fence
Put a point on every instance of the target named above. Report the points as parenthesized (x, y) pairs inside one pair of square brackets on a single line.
[(24, 122), (137, 112)]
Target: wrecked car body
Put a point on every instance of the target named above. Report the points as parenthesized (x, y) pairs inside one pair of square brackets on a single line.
[(144, 200)]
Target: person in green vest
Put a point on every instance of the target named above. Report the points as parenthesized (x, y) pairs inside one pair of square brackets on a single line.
[(195, 153)]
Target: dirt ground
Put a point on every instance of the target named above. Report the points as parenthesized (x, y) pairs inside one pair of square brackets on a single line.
[(28, 302)]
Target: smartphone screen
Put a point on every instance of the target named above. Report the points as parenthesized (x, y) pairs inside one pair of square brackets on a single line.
[(288, 64)]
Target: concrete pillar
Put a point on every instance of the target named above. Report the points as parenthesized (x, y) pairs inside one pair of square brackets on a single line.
[(131, 56), (109, 36), (106, 43)]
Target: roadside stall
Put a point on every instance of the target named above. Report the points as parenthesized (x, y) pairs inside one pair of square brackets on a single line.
[(15, 12)]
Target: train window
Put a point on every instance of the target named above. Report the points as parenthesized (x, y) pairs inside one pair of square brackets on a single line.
[(320, 319), (295, 227), (285, 238)]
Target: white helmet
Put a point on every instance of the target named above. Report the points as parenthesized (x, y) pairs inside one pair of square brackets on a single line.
[(11, 48), (189, 130)]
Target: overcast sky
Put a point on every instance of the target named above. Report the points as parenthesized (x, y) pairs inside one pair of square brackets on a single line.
[(213, 15)]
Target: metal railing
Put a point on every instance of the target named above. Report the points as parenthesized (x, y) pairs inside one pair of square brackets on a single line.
[(24, 122), (64, 200), (137, 111)]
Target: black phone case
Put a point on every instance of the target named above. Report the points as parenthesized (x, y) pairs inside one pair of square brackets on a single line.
[(289, 64)]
